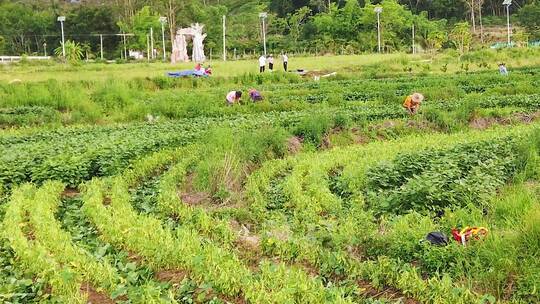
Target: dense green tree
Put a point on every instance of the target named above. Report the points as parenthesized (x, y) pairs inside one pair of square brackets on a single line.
[(85, 23), (435, 40), (461, 36), (140, 25), (23, 28), (2, 44), (529, 17), (339, 25), (322, 25)]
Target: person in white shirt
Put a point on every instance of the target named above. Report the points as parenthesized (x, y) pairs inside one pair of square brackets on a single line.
[(262, 63), (271, 63), (285, 61)]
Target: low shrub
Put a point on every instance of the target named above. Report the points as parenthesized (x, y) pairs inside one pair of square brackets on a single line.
[(312, 129)]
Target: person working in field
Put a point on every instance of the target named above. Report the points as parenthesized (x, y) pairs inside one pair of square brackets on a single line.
[(255, 95), (233, 97), (412, 103), (208, 70), (502, 69)]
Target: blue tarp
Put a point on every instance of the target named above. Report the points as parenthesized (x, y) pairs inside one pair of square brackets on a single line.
[(187, 73)]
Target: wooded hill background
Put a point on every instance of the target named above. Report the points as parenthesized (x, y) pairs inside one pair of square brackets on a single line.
[(322, 26)]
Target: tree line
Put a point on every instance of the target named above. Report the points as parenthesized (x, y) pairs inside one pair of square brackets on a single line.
[(335, 26)]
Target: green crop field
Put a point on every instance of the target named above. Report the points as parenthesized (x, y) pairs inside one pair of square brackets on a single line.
[(120, 185)]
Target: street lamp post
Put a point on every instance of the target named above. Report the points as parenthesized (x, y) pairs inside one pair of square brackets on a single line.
[(163, 20), (147, 47), (378, 10), (263, 16), (507, 3), (61, 19), (152, 42), (413, 46), (224, 37), (101, 45)]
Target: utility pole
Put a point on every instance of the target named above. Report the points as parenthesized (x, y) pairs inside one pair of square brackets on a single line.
[(163, 20), (125, 48), (123, 35), (378, 10), (224, 36), (507, 3), (101, 45), (473, 19), (413, 46), (62, 19), (152, 41), (263, 16), (480, 2), (147, 47)]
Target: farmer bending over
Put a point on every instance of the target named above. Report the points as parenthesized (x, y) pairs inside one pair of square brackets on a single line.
[(233, 97), (412, 103), (255, 95)]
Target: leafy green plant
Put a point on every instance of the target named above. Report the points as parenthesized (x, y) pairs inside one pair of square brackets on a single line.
[(73, 51)]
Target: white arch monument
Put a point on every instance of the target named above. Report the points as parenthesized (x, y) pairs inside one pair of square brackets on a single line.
[(179, 52)]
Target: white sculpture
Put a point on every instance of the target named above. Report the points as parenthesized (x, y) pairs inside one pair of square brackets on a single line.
[(198, 46), (179, 53)]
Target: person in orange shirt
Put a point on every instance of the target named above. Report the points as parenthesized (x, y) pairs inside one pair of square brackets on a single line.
[(412, 103)]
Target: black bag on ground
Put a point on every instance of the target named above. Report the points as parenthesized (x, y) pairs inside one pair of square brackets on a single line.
[(437, 238)]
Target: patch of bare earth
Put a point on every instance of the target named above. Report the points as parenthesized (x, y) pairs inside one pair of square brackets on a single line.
[(176, 276), (421, 125), (27, 228), (107, 201), (482, 123), (248, 245), (526, 117), (531, 184), (30, 235), (70, 193), (249, 250), (358, 137), (132, 256), (189, 195), (387, 293), (509, 286), (326, 142), (294, 144), (94, 296), (356, 252), (171, 275)]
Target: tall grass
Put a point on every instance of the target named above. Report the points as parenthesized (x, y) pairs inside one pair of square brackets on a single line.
[(227, 156)]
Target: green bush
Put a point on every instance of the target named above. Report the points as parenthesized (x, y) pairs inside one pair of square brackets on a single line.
[(114, 95), (312, 129), (434, 180)]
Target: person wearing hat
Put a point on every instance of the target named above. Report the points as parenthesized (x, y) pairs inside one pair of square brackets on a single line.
[(412, 103)]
